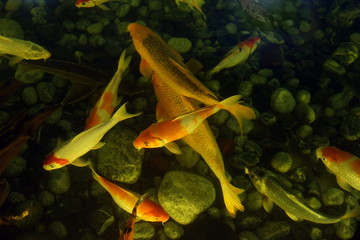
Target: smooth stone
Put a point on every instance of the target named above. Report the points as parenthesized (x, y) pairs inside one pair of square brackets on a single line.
[(58, 229), (185, 195), (96, 189), (249, 222), (101, 219), (305, 26), (69, 25), (155, 5), (29, 96), (54, 117), (82, 24), (247, 235), (59, 181), (304, 113), (316, 234), (134, 3), (96, 40), (16, 167), (213, 85), (234, 126), (139, 104), (257, 79), (346, 229), (346, 53), (46, 198), (231, 28), (282, 101), (28, 75), (10, 28), (313, 202), (118, 160), (35, 210), (254, 201), (219, 118), (214, 212), (268, 118), (273, 230), (83, 40), (281, 162), (266, 72), (333, 197), (4, 118), (333, 66), (181, 45), (144, 230), (303, 96), (319, 34), (122, 10), (350, 127), (67, 39), (16, 197), (188, 158), (46, 91), (245, 88), (339, 100), (173, 230), (297, 175), (95, 28)]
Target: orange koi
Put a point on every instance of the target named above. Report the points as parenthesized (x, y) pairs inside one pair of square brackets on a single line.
[(148, 210), (163, 133), (344, 165), (128, 233), (104, 107), (202, 140), (159, 60), (237, 55)]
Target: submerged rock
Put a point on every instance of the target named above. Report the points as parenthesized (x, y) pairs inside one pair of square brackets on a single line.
[(58, 229), (333, 197), (101, 219), (181, 45), (282, 101), (10, 28), (273, 230), (118, 160), (59, 181), (184, 195), (144, 230), (173, 230), (281, 162), (346, 229)]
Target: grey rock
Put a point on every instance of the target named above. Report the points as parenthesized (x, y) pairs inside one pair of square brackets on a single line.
[(282, 101), (155, 5), (346, 53), (231, 28), (140, 103), (58, 229), (118, 160), (69, 25), (46, 91), (333, 197), (281, 162), (82, 24), (339, 100), (35, 211), (173, 230), (249, 222), (184, 195), (59, 181), (219, 118), (67, 40), (16, 167), (29, 96), (273, 230), (144, 230), (16, 197), (313, 202), (346, 229)]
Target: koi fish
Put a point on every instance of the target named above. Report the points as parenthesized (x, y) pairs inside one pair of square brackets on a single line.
[(237, 55), (159, 60), (104, 107), (197, 4), (12, 219), (163, 133), (22, 49), (128, 233), (276, 192), (202, 140), (147, 210), (92, 3), (344, 165), (71, 151), (255, 10)]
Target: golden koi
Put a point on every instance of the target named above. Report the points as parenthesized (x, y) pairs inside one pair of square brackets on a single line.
[(148, 210), (104, 107), (344, 165), (202, 140), (237, 55), (159, 60), (163, 133), (128, 233), (197, 4), (275, 192), (22, 49), (92, 3), (73, 149)]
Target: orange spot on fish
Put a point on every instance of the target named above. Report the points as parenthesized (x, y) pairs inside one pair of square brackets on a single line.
[(108, 99), (93, 120), (355, 165), (53, 159), (334, 154)]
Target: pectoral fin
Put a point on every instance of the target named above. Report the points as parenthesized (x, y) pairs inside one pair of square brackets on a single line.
[(267, 204), (343, 184), (15, 60), (145, 69), (98, 145), (173, 147), (103, 7), (293, 217), (80, 162)]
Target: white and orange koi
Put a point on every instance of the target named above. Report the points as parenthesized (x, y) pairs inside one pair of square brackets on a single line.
[(237, 55), (160, 61), (128, 233), (92, 3), (71, 151), (147, 210), (344, 165), (197, 4), (104, 107), (163, 133)]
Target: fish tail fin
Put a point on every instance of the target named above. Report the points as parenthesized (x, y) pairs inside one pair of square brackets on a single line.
[(231, 198), (121, 114), (123, 62), (351, 213), (228, 102)]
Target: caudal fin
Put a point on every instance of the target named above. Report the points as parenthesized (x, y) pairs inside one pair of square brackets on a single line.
[(121, 114), (355, 212), (231, 198), (123, 62), (228, 102), (241, 112)]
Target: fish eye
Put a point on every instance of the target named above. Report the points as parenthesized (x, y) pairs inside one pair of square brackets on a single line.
[(146, 144)]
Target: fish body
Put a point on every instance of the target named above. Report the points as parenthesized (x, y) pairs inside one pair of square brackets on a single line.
[(164, 132), (275, 192), (255, 10), (104, 107), (202, 140), (344, 165), (22, 49), (148, 210), (128, 233), (162, 62), (92, 3), (237, 55), (197, 4), (82, 143)]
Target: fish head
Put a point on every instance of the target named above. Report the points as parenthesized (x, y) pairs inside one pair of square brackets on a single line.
[(251, 43), (85, 3), (257, 176), (150, 211), (138, 33), (332, 156), (37, 52), (52, 162), (147, 140)]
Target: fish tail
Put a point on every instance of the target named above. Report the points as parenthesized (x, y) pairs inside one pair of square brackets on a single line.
[(121, 114), (228, 102), (231, 198), (123, 62), (355, 212)]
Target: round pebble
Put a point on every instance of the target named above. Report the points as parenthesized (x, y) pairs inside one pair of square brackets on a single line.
[(282, 101), (333, 197), (281, 162), (58, 229), (16, 167), (59, 181), (95, 28), (303, 96), (29, 96), (346, 229), (231, 28), (254, 201), (46, 91), (173, 230), (46, 198), (247, 235), (123, 10), (181, 45)]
